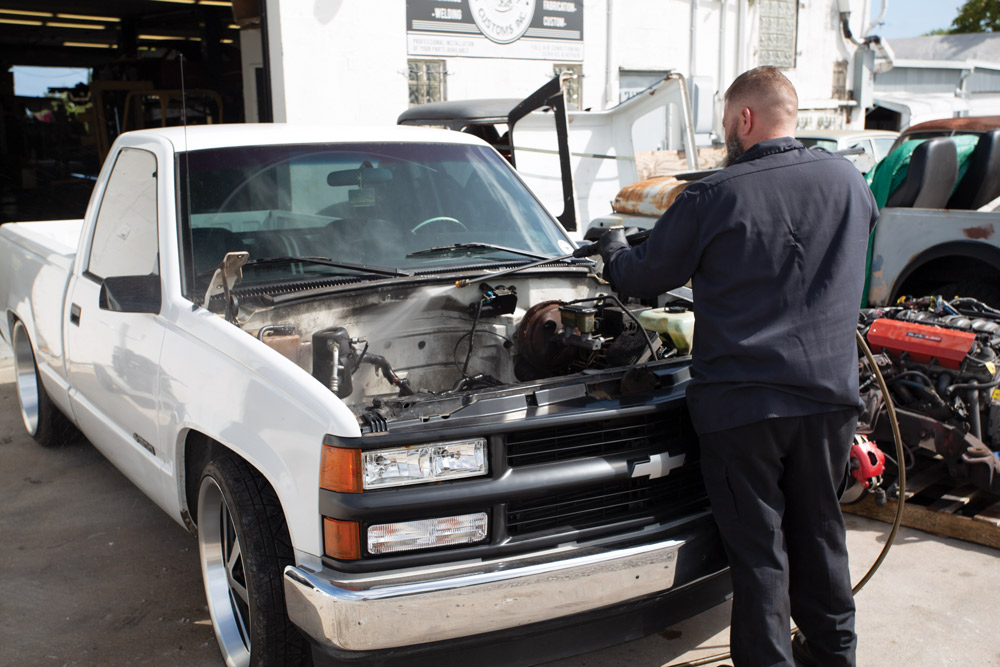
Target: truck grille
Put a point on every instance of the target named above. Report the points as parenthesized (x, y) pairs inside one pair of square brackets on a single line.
[(598, 438), (679, 494), (675, 496)]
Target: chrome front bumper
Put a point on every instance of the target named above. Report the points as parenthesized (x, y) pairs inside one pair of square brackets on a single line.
[(382, 613)]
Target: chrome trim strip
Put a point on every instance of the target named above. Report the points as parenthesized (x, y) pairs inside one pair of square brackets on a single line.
[(378, 616)]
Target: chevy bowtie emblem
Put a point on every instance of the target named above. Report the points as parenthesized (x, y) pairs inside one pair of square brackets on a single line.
[(658, 465)]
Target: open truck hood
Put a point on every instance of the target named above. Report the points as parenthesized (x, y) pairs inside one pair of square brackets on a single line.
[(574, 161)]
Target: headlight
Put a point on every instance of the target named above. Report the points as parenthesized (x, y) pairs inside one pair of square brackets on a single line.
[(427, 533), (424, 463)]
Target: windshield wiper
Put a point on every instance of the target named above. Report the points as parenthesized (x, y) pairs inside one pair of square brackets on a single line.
[(444, 249), (326, 261)]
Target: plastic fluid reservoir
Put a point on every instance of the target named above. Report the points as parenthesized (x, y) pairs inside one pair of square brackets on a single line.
[(674, 321)]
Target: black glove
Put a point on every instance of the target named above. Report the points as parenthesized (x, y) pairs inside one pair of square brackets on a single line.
[(611, 242)]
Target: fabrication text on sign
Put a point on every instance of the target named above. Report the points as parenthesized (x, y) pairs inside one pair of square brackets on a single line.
[(528, 29)]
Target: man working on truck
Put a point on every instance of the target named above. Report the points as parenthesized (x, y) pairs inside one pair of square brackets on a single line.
[(775, 248)]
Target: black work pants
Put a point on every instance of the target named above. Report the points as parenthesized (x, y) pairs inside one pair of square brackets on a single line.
[(773, 488)]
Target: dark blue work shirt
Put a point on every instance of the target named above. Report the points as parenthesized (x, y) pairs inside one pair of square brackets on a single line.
[(774, 247)]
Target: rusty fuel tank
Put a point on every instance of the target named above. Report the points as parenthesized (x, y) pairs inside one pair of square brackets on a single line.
[(650, 197)]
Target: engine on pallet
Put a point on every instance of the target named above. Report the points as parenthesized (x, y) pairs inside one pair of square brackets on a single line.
[(940, 361)]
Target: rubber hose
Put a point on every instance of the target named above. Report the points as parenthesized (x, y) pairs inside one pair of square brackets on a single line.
[(891, 409)]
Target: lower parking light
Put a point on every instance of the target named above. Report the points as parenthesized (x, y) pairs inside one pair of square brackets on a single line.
[(388, 538)]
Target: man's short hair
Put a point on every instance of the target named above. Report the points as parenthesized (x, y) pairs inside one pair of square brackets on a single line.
[(764, 83)]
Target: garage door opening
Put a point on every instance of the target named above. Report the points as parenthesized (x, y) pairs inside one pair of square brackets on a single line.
[(135, 64), (880, 118)]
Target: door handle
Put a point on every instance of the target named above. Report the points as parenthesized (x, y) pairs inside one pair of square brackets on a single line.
[(74, 314)]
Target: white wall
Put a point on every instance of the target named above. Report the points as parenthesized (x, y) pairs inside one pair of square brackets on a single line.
[(821, 44), (345, 61), (340, 61)]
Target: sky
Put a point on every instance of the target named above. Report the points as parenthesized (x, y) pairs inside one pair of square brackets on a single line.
[(35, 81), (912, 18)]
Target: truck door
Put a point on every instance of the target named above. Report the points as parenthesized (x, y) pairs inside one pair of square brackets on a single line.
[(113, 356)]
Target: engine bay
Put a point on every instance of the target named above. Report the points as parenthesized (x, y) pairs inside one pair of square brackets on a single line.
[(384, 343)]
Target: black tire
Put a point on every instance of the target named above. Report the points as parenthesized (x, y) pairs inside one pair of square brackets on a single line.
[(244, 547), (42, 419), (981, 290)]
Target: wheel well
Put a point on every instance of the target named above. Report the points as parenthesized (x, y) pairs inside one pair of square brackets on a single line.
[(925, 278), (12, 319), (199, 449)]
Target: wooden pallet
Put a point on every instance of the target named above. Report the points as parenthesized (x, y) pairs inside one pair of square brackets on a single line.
[(938, 504)]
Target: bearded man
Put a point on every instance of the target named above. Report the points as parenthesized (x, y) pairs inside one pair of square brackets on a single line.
[(774, 246)]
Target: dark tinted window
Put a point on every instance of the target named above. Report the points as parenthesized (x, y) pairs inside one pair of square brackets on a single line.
[(370, 204)]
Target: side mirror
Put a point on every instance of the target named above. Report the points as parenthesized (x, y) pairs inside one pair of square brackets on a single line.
[(131, 294)]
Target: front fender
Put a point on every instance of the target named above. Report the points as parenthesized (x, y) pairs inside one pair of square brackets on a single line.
[(220, 381), (906, 239)]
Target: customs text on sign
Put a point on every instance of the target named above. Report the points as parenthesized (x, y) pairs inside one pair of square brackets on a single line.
[(527, 29)]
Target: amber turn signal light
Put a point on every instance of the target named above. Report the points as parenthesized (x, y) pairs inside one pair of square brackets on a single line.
[(340, 470), (341, 539)]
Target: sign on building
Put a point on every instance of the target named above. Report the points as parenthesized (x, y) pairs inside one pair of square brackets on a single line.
[(528, 29)]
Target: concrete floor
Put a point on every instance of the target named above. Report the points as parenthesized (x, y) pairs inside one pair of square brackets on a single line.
[(94, 574)]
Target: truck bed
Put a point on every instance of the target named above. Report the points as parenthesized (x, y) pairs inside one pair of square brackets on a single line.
[(38, 260), (49, 238)]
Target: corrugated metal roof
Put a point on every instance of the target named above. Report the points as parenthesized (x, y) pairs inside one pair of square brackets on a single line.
[(976, 46)]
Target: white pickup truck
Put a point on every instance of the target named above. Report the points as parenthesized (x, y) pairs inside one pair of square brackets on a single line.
[(295, 340)]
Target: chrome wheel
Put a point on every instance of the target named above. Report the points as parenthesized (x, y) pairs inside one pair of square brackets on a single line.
[(26, 377), (244, 546), (224, 574)]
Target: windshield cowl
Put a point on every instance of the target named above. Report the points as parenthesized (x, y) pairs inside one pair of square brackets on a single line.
[(470, 249), (282, 291), (326, 261)]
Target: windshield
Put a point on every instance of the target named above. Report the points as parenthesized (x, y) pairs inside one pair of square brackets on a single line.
[(361, 205)]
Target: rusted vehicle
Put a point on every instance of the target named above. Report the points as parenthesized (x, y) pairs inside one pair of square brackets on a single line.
[(947, 127)]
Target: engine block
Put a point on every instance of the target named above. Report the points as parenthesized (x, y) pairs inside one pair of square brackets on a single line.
[(921, 342)]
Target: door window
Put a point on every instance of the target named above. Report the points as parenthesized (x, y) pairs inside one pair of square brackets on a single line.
[(883, 145), (125, 240)]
